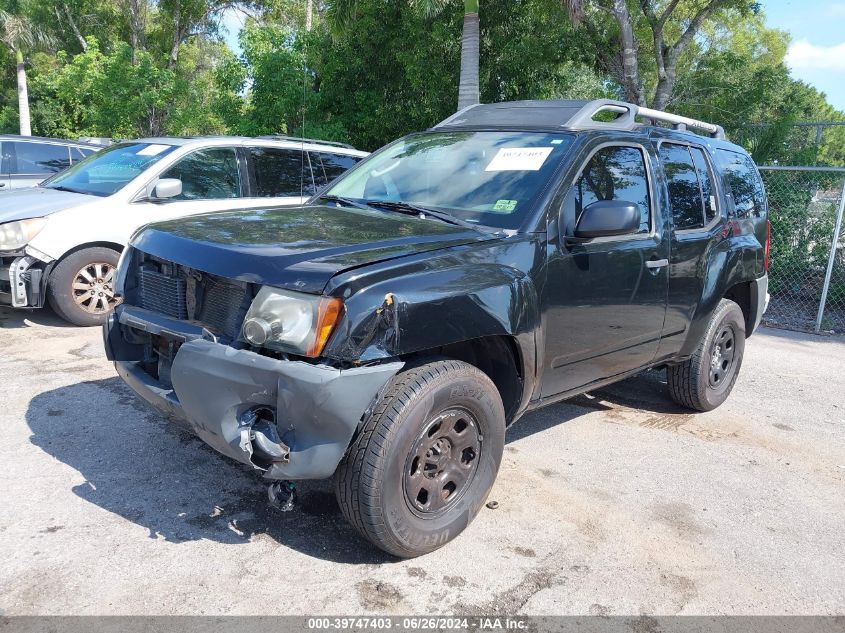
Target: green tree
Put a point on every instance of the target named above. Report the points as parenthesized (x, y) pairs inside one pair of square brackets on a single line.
[(344, 14), (20, 35)]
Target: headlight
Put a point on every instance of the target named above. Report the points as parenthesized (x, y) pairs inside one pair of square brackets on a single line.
[(291, 321), (16, 235)]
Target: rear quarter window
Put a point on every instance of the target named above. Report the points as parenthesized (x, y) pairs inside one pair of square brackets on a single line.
[(742, 183)]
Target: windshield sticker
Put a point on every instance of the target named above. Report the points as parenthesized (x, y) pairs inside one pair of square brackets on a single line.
[(152, 150), (505, 205), (519, 159)]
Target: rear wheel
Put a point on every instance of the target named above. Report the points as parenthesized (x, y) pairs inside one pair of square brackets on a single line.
[(706, 379), (425, 460), (81, 286)]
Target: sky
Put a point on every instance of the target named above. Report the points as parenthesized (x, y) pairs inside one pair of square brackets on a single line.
[(816, 55), (817, 52)]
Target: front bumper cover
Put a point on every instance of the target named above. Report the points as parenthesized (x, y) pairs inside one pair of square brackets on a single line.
[(318, 408)]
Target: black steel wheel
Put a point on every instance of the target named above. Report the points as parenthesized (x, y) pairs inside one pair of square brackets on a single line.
[(425, 459), (442, 462), (722, 357), (706, 378)]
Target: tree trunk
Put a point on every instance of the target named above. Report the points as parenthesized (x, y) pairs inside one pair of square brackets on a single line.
[(73, 27), (309, 12), (631, 81), (136, 27), (177, 35), (468, 91), (23, 97)]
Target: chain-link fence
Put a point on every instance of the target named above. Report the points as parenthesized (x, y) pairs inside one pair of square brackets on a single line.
[(807, 264)]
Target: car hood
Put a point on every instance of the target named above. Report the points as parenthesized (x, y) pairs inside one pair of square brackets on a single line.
[(36, 202), (299, 248)]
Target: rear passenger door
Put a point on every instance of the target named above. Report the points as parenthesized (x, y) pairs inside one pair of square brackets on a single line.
[(695, 202), (281, 174), (33, 161)]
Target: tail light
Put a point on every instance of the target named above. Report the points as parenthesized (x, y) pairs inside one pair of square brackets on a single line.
[(768, 247)]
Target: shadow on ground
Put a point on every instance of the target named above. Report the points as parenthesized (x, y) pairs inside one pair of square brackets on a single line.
[(153, 473), (29, 317)]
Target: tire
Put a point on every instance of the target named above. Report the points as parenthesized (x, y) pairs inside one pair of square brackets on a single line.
[(73, 281), (705, 380), (421, 435)]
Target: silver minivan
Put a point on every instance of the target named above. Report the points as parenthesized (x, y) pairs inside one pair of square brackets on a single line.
[(27, 160)]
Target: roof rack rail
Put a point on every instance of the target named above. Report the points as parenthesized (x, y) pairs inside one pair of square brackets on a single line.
[(299, 139), (627, 119), (556, 114)]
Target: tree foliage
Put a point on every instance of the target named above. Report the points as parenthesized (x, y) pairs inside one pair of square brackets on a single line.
[(369, 71)]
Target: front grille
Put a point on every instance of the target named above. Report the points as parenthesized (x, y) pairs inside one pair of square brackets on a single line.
[(164, 294), (179, 292), (222, 305)]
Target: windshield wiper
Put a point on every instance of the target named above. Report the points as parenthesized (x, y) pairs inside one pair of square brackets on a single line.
[(62, 188), (414, 209), (341, 200)]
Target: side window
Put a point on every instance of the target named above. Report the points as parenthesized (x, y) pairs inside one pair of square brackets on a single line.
[(320, 179), (79, 153), (708, 189), (7, 158), (40, 158), (335, 164), (685, 196), (613, 173), (281, 173), (743, 183), (208, 174)]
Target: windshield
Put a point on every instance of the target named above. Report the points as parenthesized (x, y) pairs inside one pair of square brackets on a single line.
[(109, 170), (489, 178)]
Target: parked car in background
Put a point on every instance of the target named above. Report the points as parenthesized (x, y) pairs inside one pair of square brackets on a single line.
[(61, 240), (388, 332), (28, 160)]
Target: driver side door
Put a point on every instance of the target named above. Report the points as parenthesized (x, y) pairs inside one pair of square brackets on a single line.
[(213, 179), (604, 299)]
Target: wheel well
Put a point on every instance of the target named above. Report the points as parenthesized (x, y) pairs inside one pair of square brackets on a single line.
[(496, 356), (741, 295), (112, 245)]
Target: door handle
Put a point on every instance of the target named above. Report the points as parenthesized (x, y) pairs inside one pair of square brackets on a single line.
[(656, 263)]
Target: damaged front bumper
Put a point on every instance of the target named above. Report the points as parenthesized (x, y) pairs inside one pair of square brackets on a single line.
[(22, 281), (290, 419)]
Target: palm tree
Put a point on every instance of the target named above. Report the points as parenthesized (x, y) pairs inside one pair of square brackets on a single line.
[(20, 34), (468, 88)]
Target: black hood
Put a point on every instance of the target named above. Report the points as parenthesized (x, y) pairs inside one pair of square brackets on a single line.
[(299, 248)]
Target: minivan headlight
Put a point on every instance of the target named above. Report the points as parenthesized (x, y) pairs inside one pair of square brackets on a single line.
[(291, 321), (16, 235)]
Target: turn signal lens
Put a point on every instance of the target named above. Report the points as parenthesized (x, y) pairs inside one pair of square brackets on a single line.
[(328, 314)]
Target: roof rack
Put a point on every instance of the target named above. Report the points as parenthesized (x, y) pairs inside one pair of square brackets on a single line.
[(570, 115), (627, 119), (299, 139)]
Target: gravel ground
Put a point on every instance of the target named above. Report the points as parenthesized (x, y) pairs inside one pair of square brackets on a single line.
[(616, 502)]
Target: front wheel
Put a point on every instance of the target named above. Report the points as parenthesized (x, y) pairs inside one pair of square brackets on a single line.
[(425, 460), (705, 380), (81, 286)]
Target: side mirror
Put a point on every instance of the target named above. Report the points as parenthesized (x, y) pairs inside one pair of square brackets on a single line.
[(167, 188), (606, 218)]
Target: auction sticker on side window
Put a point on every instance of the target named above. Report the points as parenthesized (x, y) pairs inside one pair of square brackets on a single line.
[(519, 159)]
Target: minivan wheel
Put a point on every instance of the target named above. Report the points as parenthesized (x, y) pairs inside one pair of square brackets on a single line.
[(705, 380), (426, 457), (81, 286)]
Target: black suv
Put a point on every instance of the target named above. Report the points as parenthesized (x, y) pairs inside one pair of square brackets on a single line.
[(387, 332)]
